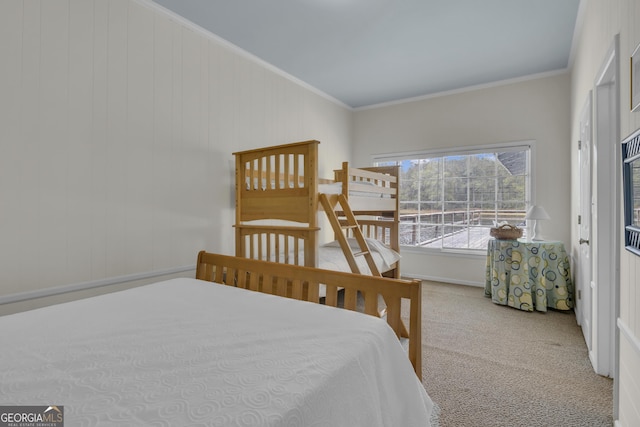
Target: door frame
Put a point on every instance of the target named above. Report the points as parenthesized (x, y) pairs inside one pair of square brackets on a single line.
[(605, 225)]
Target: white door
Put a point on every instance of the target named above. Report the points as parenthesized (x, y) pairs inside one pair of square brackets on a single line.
[(583, 274)]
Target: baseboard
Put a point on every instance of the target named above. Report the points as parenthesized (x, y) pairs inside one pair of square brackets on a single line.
[(110, 281), (445, 280)]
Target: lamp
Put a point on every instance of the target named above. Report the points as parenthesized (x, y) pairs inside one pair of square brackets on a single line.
[(536, 213)]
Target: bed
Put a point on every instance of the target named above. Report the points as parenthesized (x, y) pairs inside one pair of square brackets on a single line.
[(278, 200), (190, 352)]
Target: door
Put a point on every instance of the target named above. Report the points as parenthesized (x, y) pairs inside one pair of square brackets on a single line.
[(583, 274)]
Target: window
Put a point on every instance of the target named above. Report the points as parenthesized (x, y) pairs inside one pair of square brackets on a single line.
[(450, 200), (631, 188)]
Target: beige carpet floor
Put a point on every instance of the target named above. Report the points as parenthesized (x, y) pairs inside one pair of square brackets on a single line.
[(491, 365)]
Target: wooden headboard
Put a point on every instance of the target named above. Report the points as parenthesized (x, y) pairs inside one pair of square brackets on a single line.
[(278, 182)]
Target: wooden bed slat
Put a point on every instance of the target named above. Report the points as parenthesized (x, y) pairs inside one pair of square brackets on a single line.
[(393, 314), (229, 278), (350, 299), (241, 281), (254, 282), (296, 289), (281, 286), (370, 303), (331, 295), (267, 284), (219, 275)]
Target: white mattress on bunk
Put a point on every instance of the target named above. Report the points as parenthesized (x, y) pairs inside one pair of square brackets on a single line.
[(326, 188), (333, 188), (336, 188), (331, 257), (187, 352)]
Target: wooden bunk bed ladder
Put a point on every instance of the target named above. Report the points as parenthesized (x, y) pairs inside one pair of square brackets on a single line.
[(329, 207)]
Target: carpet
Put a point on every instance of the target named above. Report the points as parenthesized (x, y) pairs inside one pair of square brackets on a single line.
[(491, 365)]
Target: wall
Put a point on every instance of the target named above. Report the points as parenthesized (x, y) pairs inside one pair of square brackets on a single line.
[(533, 109), (117, 124), (601, 21)]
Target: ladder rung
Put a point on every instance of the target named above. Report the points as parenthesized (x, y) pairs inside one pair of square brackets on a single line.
[(360, 253), (348, 227)]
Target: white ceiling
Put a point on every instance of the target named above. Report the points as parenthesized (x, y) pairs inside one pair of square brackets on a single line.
[(367, 52)]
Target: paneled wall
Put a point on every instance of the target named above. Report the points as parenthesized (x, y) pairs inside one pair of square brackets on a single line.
[(117, 124), (602, 20)]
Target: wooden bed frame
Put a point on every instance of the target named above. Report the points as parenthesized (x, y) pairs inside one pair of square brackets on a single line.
[(281, 183), (303, 283)]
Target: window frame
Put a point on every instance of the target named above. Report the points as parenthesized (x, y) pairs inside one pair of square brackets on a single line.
[(631, 155), (529, 145)]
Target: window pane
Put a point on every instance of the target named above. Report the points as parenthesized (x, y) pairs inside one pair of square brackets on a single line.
[(408, 207), (431, 168), (409, 233), (511, 216), (513, 162), (635, 192), (511, 188), (455, 189), (482, 190), (430, 189), (413, 233), (456, 237), (431, 215), (482, 165), (455, 166), (455, 215), (408, 170), (429, 233)]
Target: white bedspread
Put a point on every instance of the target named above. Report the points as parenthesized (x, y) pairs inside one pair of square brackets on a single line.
[(187, 352)]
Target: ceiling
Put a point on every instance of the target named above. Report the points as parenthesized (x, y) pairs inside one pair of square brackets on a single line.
[(368, 52)]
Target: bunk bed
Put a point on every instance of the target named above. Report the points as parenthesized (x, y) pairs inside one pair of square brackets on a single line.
[(278, 199), (190, 352)]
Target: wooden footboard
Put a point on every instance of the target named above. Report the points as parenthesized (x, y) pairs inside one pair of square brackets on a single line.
[(284, 244), (303, 283)]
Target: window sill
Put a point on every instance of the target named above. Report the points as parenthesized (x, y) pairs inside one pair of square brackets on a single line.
[(462, 253)]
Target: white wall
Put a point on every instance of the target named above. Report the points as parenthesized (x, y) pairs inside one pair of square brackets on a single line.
[(117, 124), (534, 109), (602, 20)]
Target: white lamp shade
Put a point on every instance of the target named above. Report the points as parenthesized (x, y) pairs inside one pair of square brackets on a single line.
[(537, 212)]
